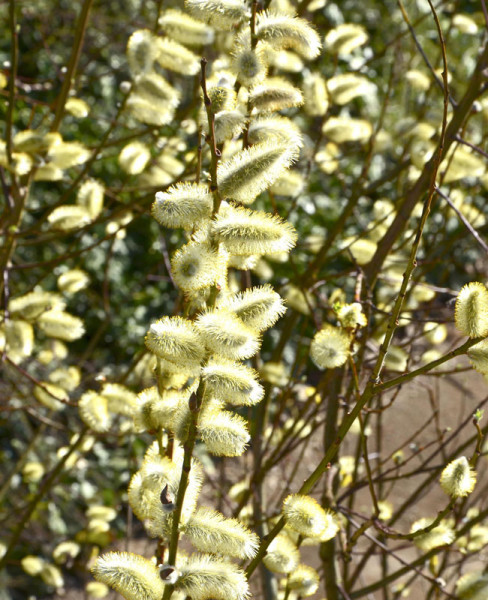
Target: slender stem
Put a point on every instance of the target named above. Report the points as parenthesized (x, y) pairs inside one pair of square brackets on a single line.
[(14, 60), (214, 151), (426, 368), (459, 116), (72, 64)]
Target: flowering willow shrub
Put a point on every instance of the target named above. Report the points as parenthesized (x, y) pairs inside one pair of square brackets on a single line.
[(305, 183), (198, 358)]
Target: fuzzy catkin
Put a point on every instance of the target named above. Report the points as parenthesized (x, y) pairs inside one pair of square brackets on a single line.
[(184, 29), (224, 433), (252, 170), (175, 57), (204, 577), (284, 31), (183, 205), (275, 94), (197, 265), (471, 311), (226, 335), (175, 339), (258, 308), (210, 531), (305, 515), (458, 478), (246, 232), (282, 555), (32, 305), (133, 576), (222, 14), (141, 52), (330, 347), (232, 382)]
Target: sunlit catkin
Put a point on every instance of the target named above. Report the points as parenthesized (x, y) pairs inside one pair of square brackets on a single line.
[(232, 382), (243, 231), (471, 312), (209, 531), (141, 52), (204, 576), (259, 308), (304, 580), (222, 14), (133, 576), (183, 205), (173, 56), (305, 515), (184, 29), (282, 555), (252, 170), (196, 266), (440, 535), (175, 339), (330, 347), (226, 335), (274, 94), (32, 305), (458, 478), (284, 31), (224, 433)]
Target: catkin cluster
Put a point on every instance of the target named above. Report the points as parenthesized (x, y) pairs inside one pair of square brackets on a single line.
[(201, 374)]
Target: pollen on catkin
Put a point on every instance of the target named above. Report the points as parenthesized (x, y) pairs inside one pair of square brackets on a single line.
[(175, 57), (32, 305), (471, 312), (209, 531), (252, 170), (345, 38), (222, 14), (478, 356), (184, 29), (183, 205), (133, 576), (224, 433), (232, 382), (90, 196), (196, 266), (259, 308), (304, 581), (68, 217), (351, 315), (330, 347), (305, 516), (458, 478), (441, 535), (274, 94), (205, 576), (141, 52), (225, 334), (472, 586), (176, 340), (280, 129), (315, 95), (243, 231), (227, 125), (285, 31), (62, 325), (249, 64), (282, 555)]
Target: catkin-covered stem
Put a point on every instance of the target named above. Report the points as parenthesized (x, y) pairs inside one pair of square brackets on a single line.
[(214, 151)]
